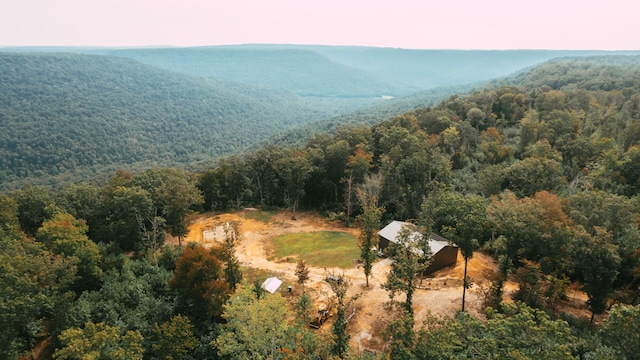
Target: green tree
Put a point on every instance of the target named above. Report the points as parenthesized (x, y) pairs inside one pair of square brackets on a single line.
[(304, 307), (134, 296), (294, 169), (357, 167), (621, 330), (84, 202), (227, 185), (412, 166), (99, 342), (153, 232), (232, 270), (255, 328), (518, 332), (596, 261), (174, 339), (631, 169), (173, 193), (461, 218), (530, 228), (178, 194), (124, 206), (599, 211), (331, 154), (35, 205), (264, 174), (34, 284), (410, 253), (402, 336), (340, 286), (66, 235), (370, 223), (533, 174)]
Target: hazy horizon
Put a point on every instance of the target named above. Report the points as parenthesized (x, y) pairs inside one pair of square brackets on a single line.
[(462, 25)]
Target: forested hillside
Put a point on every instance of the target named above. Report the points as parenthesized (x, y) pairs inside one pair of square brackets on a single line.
[(79, 114), (368, 116), (303, 72), (346, 71), (540, 171)]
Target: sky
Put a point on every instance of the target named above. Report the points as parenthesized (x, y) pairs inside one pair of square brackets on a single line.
[(426, 24)]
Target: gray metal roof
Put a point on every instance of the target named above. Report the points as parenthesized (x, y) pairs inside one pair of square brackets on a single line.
[(436, 242)]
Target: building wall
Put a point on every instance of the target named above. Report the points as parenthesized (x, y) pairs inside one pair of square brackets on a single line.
[(382, 243), (445, 257)]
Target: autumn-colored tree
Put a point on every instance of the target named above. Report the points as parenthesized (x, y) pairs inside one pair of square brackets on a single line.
[(200, 282), (492, 147), (530, 228), (302, 272)]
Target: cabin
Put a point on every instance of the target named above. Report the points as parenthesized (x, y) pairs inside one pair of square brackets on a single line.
[(443, 252)]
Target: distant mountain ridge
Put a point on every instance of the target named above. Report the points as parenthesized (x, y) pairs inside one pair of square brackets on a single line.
[(352, 71), (303, 72)]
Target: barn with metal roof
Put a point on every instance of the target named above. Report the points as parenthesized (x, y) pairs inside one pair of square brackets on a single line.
[(443, 252)]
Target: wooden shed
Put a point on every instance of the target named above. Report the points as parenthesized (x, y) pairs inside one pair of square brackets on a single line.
[(443, 252)]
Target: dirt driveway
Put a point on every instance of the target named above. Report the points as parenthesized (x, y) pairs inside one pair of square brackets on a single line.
[(440, 296)]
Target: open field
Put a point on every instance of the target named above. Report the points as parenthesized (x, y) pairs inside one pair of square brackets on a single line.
[(320, 249)]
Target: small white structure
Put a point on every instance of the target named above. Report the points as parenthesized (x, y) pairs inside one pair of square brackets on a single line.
[(272, 284)]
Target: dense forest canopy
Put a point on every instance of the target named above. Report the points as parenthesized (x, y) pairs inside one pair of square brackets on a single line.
[(69, 113), (540, 170)]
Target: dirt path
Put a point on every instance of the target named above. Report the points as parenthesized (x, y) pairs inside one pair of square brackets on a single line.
[(441, 296)]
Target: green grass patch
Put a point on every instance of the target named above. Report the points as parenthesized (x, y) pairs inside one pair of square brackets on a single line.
[(259, 215), (318, 249)]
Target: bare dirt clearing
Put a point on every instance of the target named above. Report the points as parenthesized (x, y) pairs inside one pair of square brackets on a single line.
[(439, 295)]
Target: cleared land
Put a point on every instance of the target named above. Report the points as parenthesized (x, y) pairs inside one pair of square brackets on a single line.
[(440, 295)]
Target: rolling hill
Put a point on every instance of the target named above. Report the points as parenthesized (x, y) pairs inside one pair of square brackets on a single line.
[(74, 114), (303, 72), (346, 71)]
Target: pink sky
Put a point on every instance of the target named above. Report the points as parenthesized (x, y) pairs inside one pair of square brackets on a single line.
[(426, 24)]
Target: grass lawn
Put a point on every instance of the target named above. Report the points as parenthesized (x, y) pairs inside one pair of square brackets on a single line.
[(318, 249), (264, 216)]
